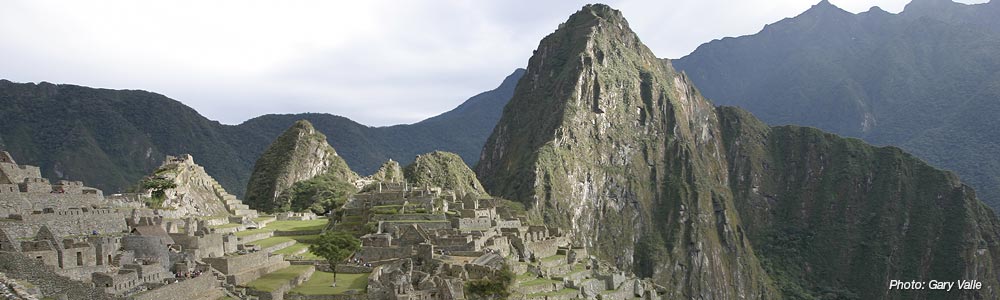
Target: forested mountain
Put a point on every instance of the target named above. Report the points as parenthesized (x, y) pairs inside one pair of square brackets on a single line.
[(926, 80), (112, 138)]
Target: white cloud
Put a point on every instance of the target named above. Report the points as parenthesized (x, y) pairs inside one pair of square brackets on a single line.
[(377, 62)]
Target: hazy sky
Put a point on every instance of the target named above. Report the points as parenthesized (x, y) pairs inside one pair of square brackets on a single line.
[(377, 62)]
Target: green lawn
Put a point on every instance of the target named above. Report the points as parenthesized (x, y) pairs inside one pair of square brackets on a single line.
[(292, 249), (539, 281), (262, 218), (297, 225), (527, 276), (271, 241), (253, 231), (223, 226), (565, 291), (272, 281), (320, 282)]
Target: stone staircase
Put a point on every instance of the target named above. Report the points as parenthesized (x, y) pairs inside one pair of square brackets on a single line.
[(233, 205)]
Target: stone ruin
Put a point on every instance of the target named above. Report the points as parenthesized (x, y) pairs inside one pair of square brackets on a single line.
[(428, 243)]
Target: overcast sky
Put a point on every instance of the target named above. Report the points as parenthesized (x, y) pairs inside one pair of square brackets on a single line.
[(377, 62)]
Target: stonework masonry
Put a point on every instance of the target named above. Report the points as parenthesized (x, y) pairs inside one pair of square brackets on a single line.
[(17, 265)]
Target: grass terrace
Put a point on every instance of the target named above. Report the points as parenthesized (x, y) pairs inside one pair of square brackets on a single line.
[(273, 280), (554, 258), (224, 226), (271, 241), (562, 292), (317, 224), (540, 281), (253, 231), (320, 282)]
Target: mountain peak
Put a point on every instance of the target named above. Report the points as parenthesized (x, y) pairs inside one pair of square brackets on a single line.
[(877, 9), (929, 6), (595, 16), (303, 125), (599, 11), (824, 7), (298, 154)]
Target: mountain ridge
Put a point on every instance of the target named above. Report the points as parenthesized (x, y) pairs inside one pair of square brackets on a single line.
[(920, 79), (622, 152), (113, 138)]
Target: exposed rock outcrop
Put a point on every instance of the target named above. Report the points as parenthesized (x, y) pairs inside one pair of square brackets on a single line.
[(389, 172), (193, 192), (445, 170), (300, 153)]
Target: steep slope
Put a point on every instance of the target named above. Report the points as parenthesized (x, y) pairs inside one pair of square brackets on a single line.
[(615, 147), (112, 138), (191, 192), (607, 142), (445, 170), (107, 138), (389, 172), (924, 80), (298, 154), (836, 218)]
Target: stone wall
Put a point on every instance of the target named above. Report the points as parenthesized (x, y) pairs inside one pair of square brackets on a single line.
[(376, 254), (279, 293), (392, 227), (543, 248), (147, 247), (193, 288), (238, 263), (255, 237), (409, 217), (45, 278), (273, 263), (209, 245), (25, 203), (69, 222), (466, 224)]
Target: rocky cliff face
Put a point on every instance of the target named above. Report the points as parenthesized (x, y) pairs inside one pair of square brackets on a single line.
[(835, 216), (390, 171), (613, 145), (605, 140), (195, 193), (445, 170), (298, 154)]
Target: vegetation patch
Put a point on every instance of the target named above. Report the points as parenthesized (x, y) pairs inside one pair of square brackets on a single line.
[(274, 280), (320, 283)]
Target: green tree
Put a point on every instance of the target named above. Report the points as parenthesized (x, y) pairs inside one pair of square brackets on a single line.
[(158, 187), (335, 246), (320, 194), (491, 287)]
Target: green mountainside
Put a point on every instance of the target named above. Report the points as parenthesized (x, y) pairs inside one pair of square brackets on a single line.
[(622, 152), (298, 154), (112, 138), (834, 218), (444, 170), (924, 80)]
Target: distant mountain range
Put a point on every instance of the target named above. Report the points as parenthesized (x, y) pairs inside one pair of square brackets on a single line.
[(926, 80), (112, 138)]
